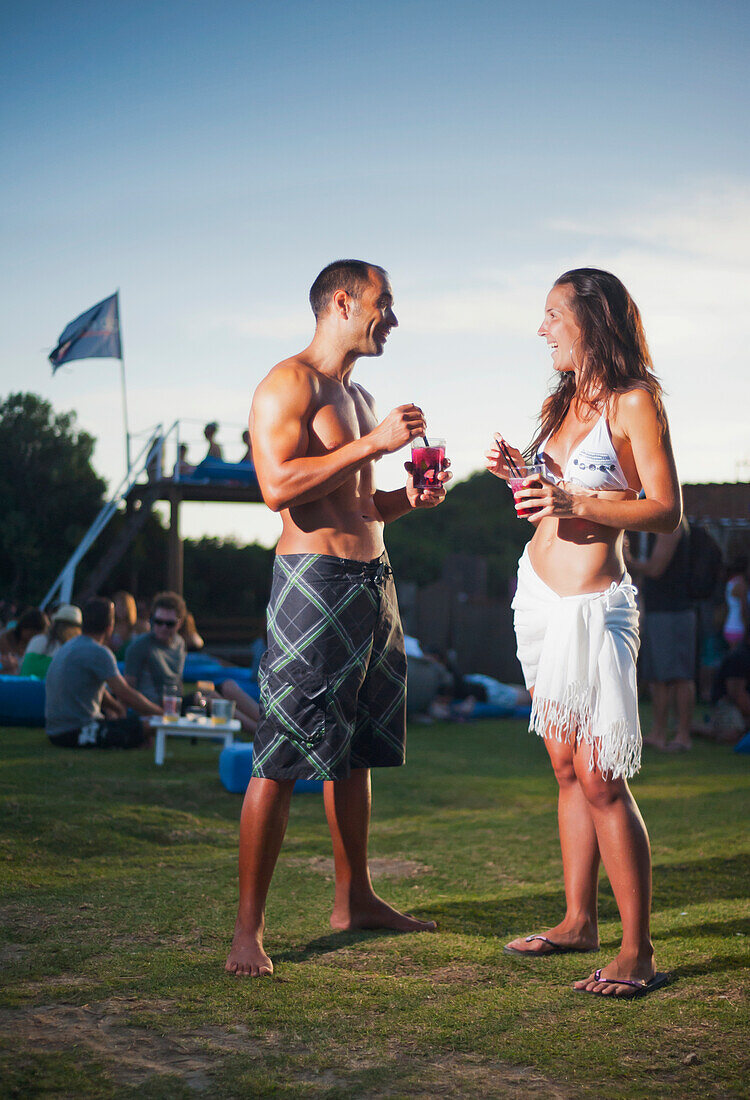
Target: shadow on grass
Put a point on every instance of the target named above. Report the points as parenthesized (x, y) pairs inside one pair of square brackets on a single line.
[(332, 941), (730, 928), (711, 879), (718, 964), (675, 885)]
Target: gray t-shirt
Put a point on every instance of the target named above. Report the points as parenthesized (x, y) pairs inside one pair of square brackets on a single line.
[(155, 666), (75, 684)]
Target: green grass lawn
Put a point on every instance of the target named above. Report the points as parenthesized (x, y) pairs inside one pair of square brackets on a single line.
[(119, 895)]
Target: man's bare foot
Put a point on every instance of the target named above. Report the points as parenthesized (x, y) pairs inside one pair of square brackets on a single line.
[(246, 955), (655, 743), (375, 913), (555, 941), (603, 981)]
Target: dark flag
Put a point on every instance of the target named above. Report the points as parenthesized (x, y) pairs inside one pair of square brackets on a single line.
[(93, 335)]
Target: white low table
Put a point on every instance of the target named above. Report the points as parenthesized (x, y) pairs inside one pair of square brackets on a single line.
[(189, 727)]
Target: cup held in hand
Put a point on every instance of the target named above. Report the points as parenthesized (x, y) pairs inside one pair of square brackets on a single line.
[(528, 474), (427, 462)]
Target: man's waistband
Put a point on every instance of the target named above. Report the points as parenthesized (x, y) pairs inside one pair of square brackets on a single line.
[(374, 568)]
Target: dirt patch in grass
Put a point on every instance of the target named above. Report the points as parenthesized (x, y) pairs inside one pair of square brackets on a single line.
[(419, 1078), (24, 917), (135, 1054), (459, 975), (379, 868), (132, 1054)]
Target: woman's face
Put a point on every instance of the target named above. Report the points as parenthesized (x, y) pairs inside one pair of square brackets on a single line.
[(560, 330)]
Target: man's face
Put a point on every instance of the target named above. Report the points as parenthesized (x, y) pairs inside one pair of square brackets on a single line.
[(164, 624), (374, 314)]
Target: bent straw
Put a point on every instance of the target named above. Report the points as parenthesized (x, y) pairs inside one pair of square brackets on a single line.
[(508, 460)]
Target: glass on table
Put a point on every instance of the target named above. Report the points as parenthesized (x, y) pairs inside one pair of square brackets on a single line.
[(171, 704), (222, 710)]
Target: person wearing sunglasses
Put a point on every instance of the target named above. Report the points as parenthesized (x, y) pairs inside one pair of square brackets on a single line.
[(154, 662)]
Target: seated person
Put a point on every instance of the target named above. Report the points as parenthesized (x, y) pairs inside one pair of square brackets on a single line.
[(189, 633), (127, 625), (14, 640), (214, 449), (729, 719), (77, 679), (182, 467), (154, 662), (248, 455), (66, 624)]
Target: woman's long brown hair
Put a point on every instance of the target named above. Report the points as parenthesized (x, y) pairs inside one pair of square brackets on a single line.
[(614, 353)]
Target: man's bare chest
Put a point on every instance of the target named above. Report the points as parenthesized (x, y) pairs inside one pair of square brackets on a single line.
[(339, 420)]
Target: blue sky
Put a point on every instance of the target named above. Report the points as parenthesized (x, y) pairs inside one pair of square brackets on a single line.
[(208, 160)]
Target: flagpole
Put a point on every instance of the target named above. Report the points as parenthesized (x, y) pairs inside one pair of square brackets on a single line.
[(124, 390)]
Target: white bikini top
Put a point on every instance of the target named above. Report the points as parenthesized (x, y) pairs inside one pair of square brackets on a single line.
[(593, 464)]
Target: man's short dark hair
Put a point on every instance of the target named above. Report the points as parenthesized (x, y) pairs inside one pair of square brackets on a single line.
[(98, 613), (170, 601), (349, 275)]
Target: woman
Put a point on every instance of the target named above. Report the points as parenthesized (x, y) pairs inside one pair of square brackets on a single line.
[(127, 625), (602, 437), (14, 640), (66, 624)]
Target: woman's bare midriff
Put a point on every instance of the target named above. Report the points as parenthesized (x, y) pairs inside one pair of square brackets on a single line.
[(574, 556)]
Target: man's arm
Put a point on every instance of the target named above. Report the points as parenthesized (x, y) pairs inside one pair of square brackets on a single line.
[(656, 563), (287, 475), (122, 690)]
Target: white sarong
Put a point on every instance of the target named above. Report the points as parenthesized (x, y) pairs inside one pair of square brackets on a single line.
[(579, 654)]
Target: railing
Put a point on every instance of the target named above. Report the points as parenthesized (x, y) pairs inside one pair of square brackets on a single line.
[(150, 460)]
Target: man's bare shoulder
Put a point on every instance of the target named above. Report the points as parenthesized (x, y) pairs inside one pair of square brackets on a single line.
[(297, 370), (370, 400), (293, 379)]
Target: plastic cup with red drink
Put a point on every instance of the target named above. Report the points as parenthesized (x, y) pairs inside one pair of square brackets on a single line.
[(526, 474), (428, 460)]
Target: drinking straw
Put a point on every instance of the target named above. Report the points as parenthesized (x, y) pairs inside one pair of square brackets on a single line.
[(508, 460)]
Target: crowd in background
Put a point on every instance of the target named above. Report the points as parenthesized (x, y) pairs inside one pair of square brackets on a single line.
[(695, 654)]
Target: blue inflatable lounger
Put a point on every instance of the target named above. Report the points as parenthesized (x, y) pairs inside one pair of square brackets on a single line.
[(21, 701), (236, 764), (216, 469)]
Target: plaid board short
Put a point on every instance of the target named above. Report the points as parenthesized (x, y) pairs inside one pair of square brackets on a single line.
[(333, 679)]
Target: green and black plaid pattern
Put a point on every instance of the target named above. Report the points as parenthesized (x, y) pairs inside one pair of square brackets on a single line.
[(333, 680)]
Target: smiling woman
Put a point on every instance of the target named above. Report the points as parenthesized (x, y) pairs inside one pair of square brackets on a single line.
[(602, 438)]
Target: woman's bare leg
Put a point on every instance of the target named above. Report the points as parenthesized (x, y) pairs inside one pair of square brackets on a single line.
[(580, 858), (626, 854)]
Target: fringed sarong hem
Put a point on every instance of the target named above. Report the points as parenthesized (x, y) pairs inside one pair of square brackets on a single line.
[(615, 750)]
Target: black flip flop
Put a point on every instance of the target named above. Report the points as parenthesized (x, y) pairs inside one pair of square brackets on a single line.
[(642, 989), (557, 949)]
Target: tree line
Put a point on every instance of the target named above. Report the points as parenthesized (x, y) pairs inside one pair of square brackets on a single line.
[(50, 494)]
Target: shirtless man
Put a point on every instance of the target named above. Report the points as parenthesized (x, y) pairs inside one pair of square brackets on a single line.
[(333, 681)]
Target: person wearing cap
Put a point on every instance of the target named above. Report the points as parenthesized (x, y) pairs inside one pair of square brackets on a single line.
[(80, 673), (65, 624)]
